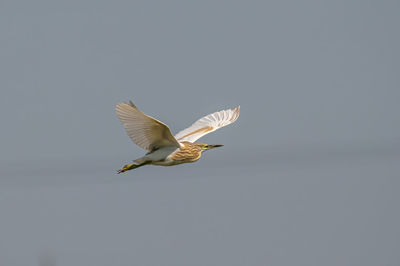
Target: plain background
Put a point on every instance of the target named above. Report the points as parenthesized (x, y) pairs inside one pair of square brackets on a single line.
[(308, 175)]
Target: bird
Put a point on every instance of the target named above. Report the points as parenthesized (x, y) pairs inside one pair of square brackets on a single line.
[(156, 138)]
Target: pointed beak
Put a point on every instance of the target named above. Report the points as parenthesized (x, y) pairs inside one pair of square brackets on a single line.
[(215, 146)]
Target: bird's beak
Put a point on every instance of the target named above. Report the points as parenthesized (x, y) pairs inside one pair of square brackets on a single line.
[(215, 146)]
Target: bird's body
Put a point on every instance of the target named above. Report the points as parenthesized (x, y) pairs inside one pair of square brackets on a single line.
[(188, 153), (164, 149)]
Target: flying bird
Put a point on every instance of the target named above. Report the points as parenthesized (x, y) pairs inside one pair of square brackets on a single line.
[(163, 148)]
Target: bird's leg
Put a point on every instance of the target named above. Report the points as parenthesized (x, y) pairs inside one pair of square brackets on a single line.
[(128, 167)]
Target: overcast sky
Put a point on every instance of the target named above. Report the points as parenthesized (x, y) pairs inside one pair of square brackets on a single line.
[(313, 78), (304, 72)]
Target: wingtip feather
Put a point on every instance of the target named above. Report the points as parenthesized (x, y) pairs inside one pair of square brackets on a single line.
[(131, 104)]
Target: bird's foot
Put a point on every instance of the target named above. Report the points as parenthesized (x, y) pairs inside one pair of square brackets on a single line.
[(126, 168)]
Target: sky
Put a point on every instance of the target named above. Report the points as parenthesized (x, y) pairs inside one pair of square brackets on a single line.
[(308, 174)]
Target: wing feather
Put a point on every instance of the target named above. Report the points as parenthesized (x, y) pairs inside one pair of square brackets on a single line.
[(145, 131), (208, 124)]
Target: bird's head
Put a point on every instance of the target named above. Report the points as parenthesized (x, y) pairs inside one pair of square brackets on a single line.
[(205, 147)]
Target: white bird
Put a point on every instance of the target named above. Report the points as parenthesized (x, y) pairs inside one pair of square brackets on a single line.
[(163, 148)]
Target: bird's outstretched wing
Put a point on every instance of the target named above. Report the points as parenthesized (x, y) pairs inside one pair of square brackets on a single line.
[(145, 131), (208, 124)]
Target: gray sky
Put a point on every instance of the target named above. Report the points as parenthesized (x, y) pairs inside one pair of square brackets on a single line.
[(307, 173), (305, 73)]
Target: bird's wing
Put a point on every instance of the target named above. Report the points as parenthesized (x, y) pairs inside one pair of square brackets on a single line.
[(145, 131), (208, 124)]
